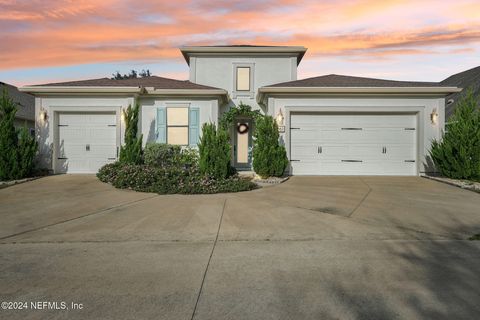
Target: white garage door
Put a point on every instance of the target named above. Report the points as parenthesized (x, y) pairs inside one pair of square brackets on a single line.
[(86, 141), (353, 144)]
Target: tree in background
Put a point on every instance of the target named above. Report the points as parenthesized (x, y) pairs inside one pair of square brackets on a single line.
[(214, 152), (457, 155), (131, 151), (132, 75), (17, 147), (269, 157)]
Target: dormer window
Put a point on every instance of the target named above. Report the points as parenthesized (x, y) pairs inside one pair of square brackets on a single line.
[(243, 76)]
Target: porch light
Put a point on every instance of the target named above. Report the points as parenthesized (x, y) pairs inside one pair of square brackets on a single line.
[(122, 116), (280, 118), (43, 114), (434, 116)]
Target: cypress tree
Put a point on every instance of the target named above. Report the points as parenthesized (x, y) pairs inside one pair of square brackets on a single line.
[(457, 155), (9, 168), (131, 151), (214, 152), (269, 157)]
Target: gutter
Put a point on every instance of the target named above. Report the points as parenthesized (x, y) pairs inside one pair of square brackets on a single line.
[(188, 92), (262, 92), (125, 90), (299, 51), (71, 89)]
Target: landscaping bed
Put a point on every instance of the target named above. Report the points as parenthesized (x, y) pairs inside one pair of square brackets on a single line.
[(464, 184), (146, 178)]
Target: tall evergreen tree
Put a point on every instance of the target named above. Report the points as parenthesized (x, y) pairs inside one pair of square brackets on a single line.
[(8, 138), (269, 157), (457, 155), (17, 147), (214, 152), (131, 151)]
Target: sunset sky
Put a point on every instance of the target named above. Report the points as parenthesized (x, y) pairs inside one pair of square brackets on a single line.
[(44, 41)]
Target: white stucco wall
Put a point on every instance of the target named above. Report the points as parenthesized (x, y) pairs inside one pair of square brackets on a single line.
[(421, 106), (47, 130), (218, 71)]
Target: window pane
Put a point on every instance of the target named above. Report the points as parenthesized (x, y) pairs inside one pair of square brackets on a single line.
[(177, 116), (243, 79), (177, 135)]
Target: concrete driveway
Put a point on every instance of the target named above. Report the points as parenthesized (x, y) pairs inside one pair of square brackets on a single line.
[(311, 248)]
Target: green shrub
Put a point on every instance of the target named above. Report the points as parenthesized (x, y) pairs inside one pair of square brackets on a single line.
[(167, 155), (457, 155), (131, 151), (27, 149), (214, 152), (269, 157), (17, 147), (169, 180)]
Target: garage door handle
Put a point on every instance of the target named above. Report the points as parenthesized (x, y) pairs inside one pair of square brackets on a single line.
[(319, 149), (352, 161), (409, 160), (62, 158), (352, 128)]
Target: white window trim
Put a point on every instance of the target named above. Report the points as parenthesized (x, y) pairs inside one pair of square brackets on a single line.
[(251, 92)]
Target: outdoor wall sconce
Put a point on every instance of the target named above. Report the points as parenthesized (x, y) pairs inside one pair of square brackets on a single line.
[(434, 116), (43, 114), (280, 118), (122, 116)]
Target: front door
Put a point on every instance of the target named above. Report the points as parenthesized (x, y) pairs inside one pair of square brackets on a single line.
[(243, 143)]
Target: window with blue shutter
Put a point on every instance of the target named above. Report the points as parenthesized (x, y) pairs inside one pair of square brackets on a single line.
[(194, 126), (161, 125)]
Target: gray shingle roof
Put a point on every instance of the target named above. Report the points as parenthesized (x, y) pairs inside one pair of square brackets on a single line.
[(334, 80), (152, 81), (466, 79), (26, 101)]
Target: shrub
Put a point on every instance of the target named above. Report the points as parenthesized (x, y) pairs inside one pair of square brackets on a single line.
[(131, 152), (17, 147), (167, 155), (27, 149), (168, 180), (457, 155), (214, 152), (269, 157)]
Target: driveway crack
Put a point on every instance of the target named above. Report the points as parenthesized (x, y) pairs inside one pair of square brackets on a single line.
[(209, 260), (363, 199), (77, 218)]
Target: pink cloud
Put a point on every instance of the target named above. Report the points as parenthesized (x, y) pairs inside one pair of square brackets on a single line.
[(67, 32)]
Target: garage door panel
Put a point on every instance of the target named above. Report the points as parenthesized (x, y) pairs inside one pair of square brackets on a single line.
[(353, 144), (87, 141)]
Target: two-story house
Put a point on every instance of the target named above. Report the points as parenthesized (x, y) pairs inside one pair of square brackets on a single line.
[(330, 125)]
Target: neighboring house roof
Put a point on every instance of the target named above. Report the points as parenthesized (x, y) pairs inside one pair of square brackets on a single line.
[(26, 102), (466, 79), (335, 80), (297, 51)]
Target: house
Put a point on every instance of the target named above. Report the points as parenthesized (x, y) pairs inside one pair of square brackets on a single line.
[(469, 79), (25, 115), (330, 125)]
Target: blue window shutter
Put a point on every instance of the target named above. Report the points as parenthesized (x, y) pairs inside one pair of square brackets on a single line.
[(194, 126), (161, 125)]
